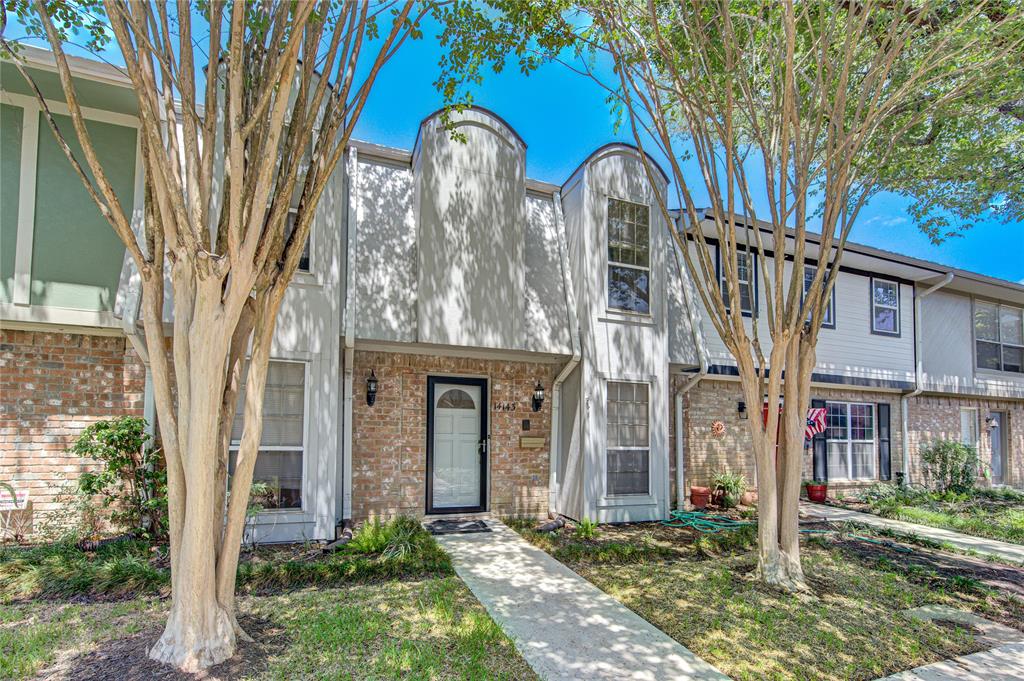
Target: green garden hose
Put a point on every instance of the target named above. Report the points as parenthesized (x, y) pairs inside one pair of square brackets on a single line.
[(705, 523)]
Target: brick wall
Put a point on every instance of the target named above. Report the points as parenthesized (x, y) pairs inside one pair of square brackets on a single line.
[(716, 400), (389, 438), (53, 385), (938, 418)]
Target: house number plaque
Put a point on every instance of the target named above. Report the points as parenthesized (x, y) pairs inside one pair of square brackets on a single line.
[(505, 406)]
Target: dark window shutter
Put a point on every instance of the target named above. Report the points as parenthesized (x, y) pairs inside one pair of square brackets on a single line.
[(884, 449), (820, 448)]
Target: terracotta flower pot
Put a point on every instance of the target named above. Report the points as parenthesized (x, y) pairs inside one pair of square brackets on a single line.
[(817, 493), (699, 497), (748, 499)]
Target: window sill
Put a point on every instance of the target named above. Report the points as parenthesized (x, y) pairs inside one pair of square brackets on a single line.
[(305, 279), (997, 373), (627, 500), (626, 317)]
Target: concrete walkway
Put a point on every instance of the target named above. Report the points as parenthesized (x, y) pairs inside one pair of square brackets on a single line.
[(999, 550), (1004, 663), (564, 626)]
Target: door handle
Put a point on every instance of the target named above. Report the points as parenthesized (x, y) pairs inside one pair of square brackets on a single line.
[(483, 446)]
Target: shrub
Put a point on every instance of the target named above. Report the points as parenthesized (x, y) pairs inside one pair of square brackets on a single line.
[(131, 484), (586, 529), (732, 486), (950, 466)]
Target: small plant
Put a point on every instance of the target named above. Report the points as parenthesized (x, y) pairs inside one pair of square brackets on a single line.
[(586, 529), (731, 487), (131, 483), (950, 466)]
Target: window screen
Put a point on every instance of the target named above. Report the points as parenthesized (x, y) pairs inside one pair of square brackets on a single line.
[(282, 444), (628, 455)]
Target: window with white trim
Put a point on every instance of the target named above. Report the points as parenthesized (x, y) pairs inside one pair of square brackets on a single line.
[(282, 443), (969, 426), (885, 307), (850, 440), (629, 256), (293, 213), (629, 448), (829, 320), (999, 337), (746, 273)]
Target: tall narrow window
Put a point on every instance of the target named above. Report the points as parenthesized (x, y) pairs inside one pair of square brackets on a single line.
[(999, 337), (629, 452), (282, 444), (629, 261), (289, 228), (829, 320), (885, 307), (746, 274), (969, 426), (850, 438)]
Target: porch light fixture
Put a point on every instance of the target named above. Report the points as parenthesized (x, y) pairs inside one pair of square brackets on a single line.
[(538, 396), (992, 422), (371, 389), (741, 409)]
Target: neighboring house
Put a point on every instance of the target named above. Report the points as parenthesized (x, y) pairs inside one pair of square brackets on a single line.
[(535, 348)]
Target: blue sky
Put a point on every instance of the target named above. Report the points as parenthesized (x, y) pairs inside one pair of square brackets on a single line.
[(563, 117)]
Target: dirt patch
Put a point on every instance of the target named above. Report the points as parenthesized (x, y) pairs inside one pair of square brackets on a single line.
[(126, 658)]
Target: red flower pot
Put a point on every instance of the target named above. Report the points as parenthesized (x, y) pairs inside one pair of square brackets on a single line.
[(699, 497), (817, 493)]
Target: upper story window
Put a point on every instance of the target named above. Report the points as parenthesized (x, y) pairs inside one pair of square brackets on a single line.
[(289, 228), (629, 256), (999, 336), (885, 307), (746, 274), (829, 321)]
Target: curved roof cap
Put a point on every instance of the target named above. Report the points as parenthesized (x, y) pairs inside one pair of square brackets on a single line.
[(612, 145), (478, 109)]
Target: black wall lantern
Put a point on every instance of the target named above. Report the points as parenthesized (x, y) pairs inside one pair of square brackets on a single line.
[(371, 389), (538, 396), (741, 409)]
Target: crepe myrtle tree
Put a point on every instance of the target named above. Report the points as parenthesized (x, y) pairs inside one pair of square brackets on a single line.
[(788, 116), (245, 110)]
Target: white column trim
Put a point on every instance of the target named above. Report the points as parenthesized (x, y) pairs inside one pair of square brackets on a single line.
[(22, 293)]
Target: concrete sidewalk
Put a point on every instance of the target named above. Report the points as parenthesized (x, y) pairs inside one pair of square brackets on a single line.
[(1004, 663), (999, 550), (564, 626)]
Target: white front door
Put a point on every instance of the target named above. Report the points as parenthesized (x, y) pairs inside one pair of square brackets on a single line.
[(457, 446)]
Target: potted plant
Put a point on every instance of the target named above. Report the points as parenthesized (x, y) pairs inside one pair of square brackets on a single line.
[(728, 489), (817, 490), (749, 498), (699, 496)]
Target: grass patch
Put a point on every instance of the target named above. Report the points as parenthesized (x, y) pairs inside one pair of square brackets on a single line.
[(425, 629), (400, 548), (702, 591), (991, 513)]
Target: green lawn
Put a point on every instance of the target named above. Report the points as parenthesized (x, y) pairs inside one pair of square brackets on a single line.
[(389, 606), (702, 592), (995, 514), (425, 629)]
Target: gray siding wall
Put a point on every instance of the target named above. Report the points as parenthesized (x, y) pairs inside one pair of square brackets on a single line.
[(948, 356)]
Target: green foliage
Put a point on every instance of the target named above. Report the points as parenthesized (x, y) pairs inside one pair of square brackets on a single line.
[(132, 483), (586, 529), (950, 465), (732, 486), (399, 548)]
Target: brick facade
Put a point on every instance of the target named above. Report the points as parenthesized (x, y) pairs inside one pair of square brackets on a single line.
[(716, 400), (53, 385), (937, 417), (389, 439)]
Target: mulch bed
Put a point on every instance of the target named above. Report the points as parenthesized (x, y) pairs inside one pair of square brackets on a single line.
[(127, 659)]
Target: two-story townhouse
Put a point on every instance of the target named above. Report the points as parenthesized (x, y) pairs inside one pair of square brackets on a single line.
[(464, 339)]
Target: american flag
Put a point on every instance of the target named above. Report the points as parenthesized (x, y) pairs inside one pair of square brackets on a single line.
[(815, 422)]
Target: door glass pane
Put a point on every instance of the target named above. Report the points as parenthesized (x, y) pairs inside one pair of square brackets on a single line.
[(628, 471)]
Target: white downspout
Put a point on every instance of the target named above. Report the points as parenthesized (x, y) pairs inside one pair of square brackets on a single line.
[(352, 169), (702, 371), (574, 340), (918, 374)]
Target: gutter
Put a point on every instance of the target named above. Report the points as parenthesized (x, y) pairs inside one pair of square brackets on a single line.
[(352, 175), (554, 494), (702, 371), (918, 373)]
